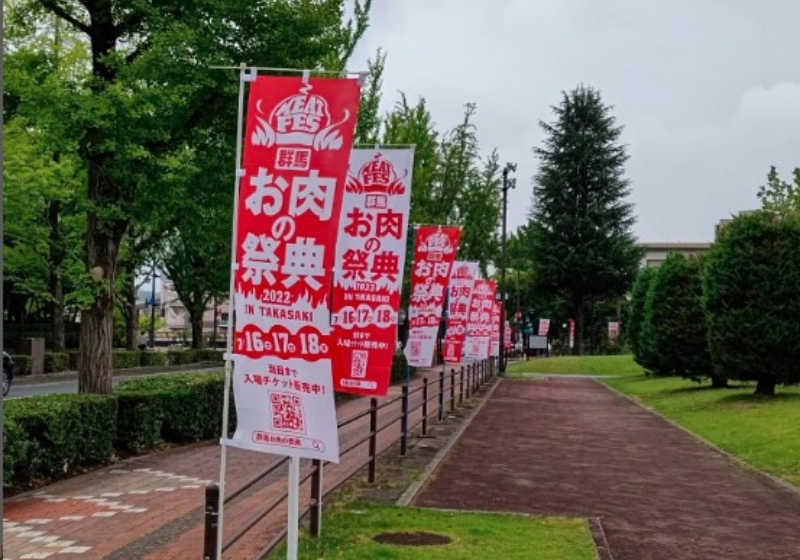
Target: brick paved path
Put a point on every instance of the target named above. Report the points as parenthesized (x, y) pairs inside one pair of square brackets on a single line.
[(574, 448), (152, 506)]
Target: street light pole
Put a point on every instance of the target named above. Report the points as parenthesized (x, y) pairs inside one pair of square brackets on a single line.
[(508, 183), (153, 308)]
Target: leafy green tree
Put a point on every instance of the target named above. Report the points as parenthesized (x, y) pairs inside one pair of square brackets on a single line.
[(750, 297), (583, 247), (149, 90), (781, 196), (368, 127), (676, 320), (634, 326)]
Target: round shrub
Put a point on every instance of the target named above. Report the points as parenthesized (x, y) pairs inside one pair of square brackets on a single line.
[(752, 302)]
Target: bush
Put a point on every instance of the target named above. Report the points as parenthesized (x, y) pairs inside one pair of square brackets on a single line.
[(676, 321), (51, 435), (399, 366), (74, 359), (22, 365), (635, 322), (153, 359), (124, 359), (182, 357), (751, 300), (177, 408), (55, 362)]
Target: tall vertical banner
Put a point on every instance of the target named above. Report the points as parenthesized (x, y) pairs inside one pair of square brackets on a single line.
[(370, 259), (572, 333), (613, 332), (507, 335), (435, 249), (544, 327), (494, 340), (479, 324), (462, 278), (296, 148)]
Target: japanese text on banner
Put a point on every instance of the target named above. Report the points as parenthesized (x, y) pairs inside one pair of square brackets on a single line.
[(479, 323), (296, 150), (370, 259), (494, 340), (461, 280), (435, 249)]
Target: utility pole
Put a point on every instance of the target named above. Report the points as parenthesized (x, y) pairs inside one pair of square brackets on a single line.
[(508, 183)]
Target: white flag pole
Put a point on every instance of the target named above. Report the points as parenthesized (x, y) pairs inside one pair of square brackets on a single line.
[(244, 76), (294, 508)]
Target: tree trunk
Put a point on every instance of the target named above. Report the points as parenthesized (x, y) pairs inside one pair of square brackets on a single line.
[(130, 312), (97, 321), (56, 283), (580, 323), (765, 386), (196, 318), (718, 382)]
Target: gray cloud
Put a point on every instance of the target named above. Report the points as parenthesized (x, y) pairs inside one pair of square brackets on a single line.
[(708, 90)]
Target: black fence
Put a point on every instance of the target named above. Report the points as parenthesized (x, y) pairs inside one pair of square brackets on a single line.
[(445, 393)]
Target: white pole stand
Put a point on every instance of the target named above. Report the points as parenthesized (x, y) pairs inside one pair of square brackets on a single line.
[(294, 508)]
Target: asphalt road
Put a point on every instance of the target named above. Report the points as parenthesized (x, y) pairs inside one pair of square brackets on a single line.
[(71, 385)]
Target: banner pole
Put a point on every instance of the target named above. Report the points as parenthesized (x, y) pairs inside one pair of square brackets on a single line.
[(408, 318), (226, 404), (293, 503)]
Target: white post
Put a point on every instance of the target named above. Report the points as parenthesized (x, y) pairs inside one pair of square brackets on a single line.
[(294, 508), (226, 402)]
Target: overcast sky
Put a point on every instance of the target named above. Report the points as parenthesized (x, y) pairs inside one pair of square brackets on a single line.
[(708, 90)]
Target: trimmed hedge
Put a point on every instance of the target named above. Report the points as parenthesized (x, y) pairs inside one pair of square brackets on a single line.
[(51, 435), (55, 362), (399, 363), (177, 408), (22, 364)]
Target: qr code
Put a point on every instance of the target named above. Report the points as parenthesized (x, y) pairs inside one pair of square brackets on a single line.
[(287, 412), (415, 348), (358, 366)]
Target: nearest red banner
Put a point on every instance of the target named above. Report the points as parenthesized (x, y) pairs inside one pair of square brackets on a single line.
[(544, 327), (296, 149), (435, 249), (461, 279), (370, 259), (479, 325)]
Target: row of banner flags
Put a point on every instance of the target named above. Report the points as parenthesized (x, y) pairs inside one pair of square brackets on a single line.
[(320, 247)]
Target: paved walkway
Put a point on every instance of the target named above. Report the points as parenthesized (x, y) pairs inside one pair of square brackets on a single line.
[(571, 447), (151, 507)]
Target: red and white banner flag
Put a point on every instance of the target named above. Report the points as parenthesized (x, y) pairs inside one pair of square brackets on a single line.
[(479, 324), (544, 327), (296, 149), (613, 332), (494, 340), (572, 333), (435, 249), (507, 336), (370, 259), (462, 277)]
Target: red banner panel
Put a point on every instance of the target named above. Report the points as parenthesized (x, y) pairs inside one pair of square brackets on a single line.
[(435, 249), (370, 259), (296, 151), (461, 279)]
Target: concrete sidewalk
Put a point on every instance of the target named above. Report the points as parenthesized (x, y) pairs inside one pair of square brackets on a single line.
[(152, 506)]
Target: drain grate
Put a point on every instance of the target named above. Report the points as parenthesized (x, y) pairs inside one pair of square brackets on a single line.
[(412, 539)]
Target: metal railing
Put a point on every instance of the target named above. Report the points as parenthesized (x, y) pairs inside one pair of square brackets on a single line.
[(468, 379)]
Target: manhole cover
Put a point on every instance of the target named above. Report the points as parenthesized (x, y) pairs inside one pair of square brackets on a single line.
[(412, 539)]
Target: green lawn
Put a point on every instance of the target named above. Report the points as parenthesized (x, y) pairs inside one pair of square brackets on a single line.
[(761, 431), (583, 365), (347, 535)]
